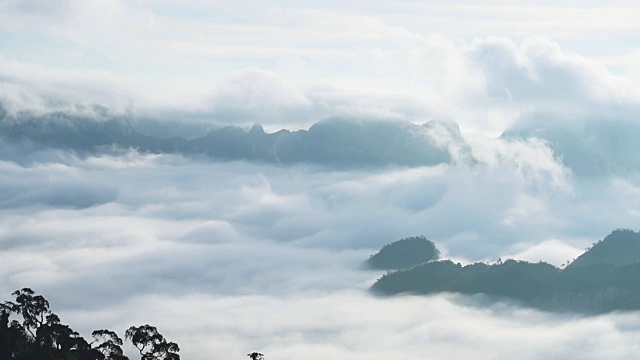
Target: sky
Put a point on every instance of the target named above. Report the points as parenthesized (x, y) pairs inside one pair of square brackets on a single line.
[(231, 257), (287, 64)]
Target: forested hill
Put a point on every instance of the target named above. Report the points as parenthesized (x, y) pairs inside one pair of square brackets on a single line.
[(622, 247), (404, 253), (603, 279)]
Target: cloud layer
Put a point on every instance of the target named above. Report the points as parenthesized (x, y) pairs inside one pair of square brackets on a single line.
[(289, 66), (229, 257)]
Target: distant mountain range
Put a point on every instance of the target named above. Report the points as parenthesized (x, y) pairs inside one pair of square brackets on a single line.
[(590, 147), (333, 141), (603, 279)]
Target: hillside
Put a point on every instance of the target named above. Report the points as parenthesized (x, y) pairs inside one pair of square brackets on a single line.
[(621, 247), (404, 253), (603, 279)]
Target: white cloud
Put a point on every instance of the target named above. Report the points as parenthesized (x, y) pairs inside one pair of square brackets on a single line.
[(169, 57), (553, 251), (485, 84), (351, 325), (540, 70), (256, 95), (230, 257)]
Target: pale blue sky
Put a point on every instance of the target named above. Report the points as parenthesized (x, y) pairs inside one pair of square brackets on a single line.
[(183, 54), (231, 257)]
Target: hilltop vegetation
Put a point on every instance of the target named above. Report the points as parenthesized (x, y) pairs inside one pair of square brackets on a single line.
[(404, 253), (603, 279), (621, 247)]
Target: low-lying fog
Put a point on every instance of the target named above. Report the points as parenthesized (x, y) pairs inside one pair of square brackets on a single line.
[(227, 258)]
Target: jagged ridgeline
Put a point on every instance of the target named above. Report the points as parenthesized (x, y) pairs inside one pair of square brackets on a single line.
[(335, 141), (404, 253), (603, 279)]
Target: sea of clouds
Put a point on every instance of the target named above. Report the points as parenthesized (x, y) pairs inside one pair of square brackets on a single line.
[(231, 257)]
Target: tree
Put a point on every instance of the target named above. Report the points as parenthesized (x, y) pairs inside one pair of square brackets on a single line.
[(256, 356), (151, 344), (42, 336), (108, 343), (14, 341), (33, 309)]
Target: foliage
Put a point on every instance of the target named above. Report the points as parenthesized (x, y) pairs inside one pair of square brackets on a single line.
[(256, 356), (404, 253), (41, 335), (621, 247), (109, 344), (601, 280), (151, 344)]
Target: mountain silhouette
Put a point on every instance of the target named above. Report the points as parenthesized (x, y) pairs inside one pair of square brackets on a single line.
[(335, 142), (603, 279), (404, 253)]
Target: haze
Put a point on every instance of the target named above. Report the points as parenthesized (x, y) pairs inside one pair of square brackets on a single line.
[(227, 257)]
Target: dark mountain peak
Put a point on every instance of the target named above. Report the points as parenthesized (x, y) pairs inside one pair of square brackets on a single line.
[(404, 253), (603, 279), (621, 247)]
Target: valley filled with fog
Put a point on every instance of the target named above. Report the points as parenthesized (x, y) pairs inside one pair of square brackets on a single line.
[(229, 256), (223, 171)]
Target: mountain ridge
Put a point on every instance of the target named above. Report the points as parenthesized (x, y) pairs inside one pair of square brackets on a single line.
[(603, 279), (334, 141)]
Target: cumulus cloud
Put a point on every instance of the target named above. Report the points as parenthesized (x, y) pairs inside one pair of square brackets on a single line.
[(487, 85), (260, 96), (500, 82), (539, 72), (244, 98), (304, 64)]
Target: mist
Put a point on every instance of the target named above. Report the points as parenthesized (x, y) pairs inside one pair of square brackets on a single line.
[(136, 186), (225, 257)]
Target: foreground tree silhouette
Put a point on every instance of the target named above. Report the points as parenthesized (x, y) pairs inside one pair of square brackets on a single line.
[(32, 307), (151, 344), (26, 340), (108, 343), (255, 356), (15, 342), (56, 338), (42, 336)]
